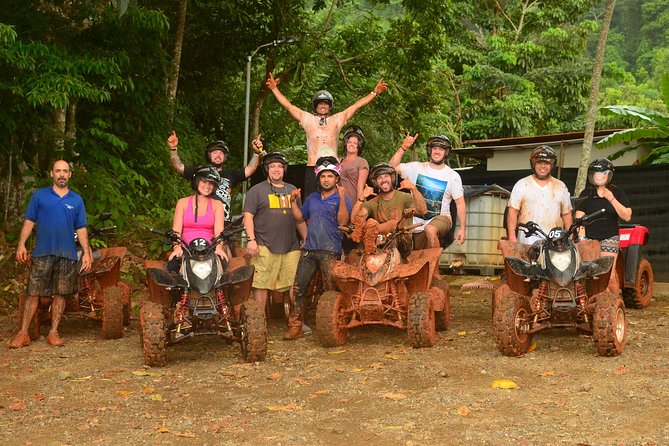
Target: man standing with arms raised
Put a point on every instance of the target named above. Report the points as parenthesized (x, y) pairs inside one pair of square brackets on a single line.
[(322, 127)]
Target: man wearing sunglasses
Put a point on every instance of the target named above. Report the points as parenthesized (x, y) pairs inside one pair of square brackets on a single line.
[(216, 154)]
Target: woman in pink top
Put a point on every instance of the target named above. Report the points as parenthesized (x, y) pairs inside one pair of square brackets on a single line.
[(198, 216)]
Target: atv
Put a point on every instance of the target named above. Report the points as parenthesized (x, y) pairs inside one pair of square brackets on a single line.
[(204, 298), (634, 272), (557, 283), (379, 288)]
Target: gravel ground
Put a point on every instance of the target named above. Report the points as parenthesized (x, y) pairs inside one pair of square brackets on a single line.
[(373, 390)]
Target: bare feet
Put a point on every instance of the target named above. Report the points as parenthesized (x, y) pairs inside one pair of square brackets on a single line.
[(21, 340), (54, 340)]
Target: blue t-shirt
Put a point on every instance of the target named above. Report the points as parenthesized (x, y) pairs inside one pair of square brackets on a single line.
[(57, 219), (323, 229)]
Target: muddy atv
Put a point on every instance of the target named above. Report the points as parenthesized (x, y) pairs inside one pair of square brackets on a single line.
[(635, 273), (202, 299), (378, 288), (557, 284)]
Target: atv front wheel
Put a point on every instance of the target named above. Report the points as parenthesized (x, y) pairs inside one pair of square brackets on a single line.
[(254, 331), (639, 296), (511, 313), (443, 318), (609, 324), (154, 338), (421, 324), (331, 320), (112, 313)]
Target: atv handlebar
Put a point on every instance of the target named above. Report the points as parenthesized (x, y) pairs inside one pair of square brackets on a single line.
[(532, 228)]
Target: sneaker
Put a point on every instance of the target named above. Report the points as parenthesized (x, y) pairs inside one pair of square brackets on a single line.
[(306, 330)]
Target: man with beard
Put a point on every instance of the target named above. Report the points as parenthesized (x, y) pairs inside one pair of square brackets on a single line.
[(323, 212), (321, 128), (58, 213), (385, 211), (439, 185), (216, 154), (271, 230), (539, 198)]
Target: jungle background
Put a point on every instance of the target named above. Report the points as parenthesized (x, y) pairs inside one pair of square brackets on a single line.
[(102, 83)]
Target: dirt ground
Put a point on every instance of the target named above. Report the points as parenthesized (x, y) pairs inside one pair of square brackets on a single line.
[(375, 390)]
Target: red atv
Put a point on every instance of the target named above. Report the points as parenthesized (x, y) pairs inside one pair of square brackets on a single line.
[(102, 294), (378, 288), (634, 272)]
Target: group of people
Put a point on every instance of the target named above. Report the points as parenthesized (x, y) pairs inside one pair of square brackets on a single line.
[(336, 192), (276, 219)]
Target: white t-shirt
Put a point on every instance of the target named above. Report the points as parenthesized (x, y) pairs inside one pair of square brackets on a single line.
[(543, 205), (438, 186)]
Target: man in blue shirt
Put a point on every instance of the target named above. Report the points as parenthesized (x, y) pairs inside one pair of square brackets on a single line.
[(324, 212), (58, 213)]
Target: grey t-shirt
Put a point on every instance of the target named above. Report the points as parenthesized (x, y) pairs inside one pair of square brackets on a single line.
[(273, 221)]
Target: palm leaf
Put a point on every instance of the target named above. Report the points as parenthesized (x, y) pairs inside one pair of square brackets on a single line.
[(646, 115), (628, 135), (657, 156), (665, 89), (645, 145)]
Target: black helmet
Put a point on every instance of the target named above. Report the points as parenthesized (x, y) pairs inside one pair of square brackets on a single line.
[(205, 173), (438, 141), (353, 130), (322, 96), (380, 169), (274, 157), (543, 153), (325, 163), (217, 145), (600, 165)]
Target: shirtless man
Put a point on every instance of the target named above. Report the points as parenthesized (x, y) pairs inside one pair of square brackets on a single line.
[(321, 127)]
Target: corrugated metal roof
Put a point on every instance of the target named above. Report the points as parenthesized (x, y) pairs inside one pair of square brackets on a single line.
[(521, 142)]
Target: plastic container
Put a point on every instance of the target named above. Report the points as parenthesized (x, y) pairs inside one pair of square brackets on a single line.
[(485, 226)]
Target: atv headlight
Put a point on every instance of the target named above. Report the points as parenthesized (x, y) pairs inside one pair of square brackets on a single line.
[(560, 259), (201, 268)]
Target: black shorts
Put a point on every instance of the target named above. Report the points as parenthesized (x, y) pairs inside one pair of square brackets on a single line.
[(52, 275)]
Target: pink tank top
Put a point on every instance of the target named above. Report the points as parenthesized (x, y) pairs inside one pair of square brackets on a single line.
[(204, 228)]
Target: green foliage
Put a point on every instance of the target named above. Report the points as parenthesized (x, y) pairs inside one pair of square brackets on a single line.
[(652, 133), (471, 70)]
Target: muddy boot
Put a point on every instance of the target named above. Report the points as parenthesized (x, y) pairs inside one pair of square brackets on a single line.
[(21, 340), (294, 327), (54, 340)]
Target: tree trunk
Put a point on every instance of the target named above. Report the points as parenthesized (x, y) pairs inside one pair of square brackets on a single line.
[(592, 101), (176, 63)]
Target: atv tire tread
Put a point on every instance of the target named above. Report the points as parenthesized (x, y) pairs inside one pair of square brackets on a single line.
[(328, 330), (421, 328), (607, 311), (255, 325), (112, 313), (507, 306), (443, 318), (152, 321), (126, 293), (640, 295)]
